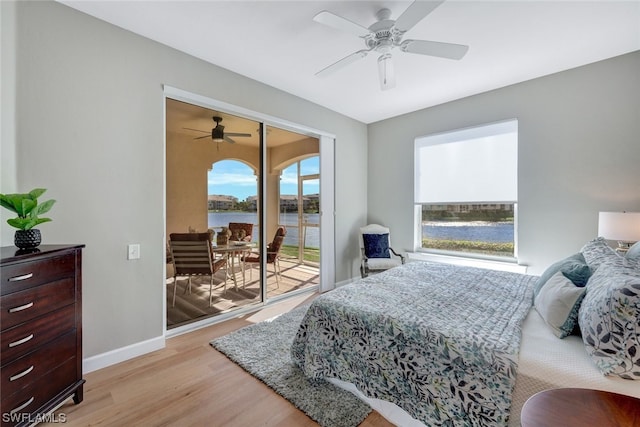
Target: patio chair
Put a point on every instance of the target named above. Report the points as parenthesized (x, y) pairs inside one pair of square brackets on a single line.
[(273, 254), (241, 231), (192, 255), (375, 245)]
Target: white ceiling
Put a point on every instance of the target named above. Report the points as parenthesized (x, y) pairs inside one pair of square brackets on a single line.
[(279, 44), (197, 122)]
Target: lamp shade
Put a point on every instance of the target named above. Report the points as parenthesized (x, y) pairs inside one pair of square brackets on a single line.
[(622, 226)]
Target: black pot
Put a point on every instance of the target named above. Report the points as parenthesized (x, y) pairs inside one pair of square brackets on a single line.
[(27, 239)]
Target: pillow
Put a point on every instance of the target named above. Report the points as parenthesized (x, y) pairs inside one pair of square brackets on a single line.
[(577, 272), (597, 252), (558, 302), (238, 234), (573, 267), (609, 319), (634, 252), (376, 245)]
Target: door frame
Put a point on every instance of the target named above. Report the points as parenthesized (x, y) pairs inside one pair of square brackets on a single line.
[(301, 221), (327, 195)]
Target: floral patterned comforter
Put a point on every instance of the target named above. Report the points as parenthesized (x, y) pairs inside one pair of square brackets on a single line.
[(440, 341)]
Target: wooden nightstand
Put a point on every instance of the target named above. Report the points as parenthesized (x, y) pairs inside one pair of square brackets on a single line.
[(579, 407)]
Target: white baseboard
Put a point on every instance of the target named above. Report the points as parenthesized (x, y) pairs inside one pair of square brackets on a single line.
[(118, 355), (346, 282)]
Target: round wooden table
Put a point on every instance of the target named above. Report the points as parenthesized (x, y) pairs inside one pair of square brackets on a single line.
[(580, 407)]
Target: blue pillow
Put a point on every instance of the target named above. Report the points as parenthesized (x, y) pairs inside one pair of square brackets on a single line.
[(577, 272), (376, 245), (574, 268)]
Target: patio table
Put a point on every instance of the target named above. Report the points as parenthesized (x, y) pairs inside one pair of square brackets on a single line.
[(230, 250)]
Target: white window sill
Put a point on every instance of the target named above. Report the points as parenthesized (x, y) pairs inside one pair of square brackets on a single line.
[(492, 264)]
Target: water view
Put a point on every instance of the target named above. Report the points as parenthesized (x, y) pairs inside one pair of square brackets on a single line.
[(289, 220), (481, 231)]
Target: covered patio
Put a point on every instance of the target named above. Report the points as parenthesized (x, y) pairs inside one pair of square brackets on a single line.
[(194, 306)]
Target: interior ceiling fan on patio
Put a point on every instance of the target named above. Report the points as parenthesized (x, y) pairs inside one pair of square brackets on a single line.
[(385, 35), (218, 134)]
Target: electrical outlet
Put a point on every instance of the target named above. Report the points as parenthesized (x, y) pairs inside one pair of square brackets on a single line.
[(134, 251)]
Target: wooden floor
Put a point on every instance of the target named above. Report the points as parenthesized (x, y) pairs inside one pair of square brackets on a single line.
[(189, 383)]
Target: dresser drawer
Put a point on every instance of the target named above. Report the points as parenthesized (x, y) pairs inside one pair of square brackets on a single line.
[(23, 275), (16, 407), (40, 331), (35, 365), (22, 339), (25, 305)]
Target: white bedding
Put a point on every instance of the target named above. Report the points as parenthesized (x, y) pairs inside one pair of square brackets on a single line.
[(549, 362), (545, 362)]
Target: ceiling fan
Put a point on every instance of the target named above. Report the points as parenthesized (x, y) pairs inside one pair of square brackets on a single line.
[(385, 35), (218, 134)]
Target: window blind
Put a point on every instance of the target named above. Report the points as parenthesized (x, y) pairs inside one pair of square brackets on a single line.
[(478, 164)]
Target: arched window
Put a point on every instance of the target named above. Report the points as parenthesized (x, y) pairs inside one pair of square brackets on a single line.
[(231, 193)]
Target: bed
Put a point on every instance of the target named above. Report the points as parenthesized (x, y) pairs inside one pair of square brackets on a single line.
[(436, 344)]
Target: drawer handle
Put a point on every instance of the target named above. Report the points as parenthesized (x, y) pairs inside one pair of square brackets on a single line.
[(21, 407), (22, 307), (19, 278), (22, 341), (21, 374)]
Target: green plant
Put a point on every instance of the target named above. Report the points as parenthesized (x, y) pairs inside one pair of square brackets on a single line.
[(27, 207), (310, 254), (488, 248)]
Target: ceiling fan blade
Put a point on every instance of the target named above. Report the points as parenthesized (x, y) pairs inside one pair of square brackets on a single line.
[(349, 59), (415, 13), (202, 137), (229, 140), (443, 50), (198, 130), (245, 135), (332, 20)]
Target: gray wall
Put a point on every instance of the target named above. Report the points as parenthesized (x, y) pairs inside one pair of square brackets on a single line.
[(82, 115), (8, 173), (87, 122), (579, 153)]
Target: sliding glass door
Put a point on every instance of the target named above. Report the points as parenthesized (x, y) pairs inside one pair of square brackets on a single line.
[(227, 172), (298, 260)]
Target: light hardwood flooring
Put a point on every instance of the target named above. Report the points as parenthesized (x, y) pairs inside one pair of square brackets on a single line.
[(189, 383)]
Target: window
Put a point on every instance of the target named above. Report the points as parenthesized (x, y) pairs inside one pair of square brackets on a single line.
[(465, 188)]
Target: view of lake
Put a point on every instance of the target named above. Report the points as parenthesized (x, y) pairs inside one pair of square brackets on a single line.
[(501, 232), (289, 220)]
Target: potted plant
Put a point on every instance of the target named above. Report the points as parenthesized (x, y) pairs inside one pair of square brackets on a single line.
[(28, 209)]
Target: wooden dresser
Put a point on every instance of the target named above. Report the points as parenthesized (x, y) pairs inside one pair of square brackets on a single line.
[(41, 331)]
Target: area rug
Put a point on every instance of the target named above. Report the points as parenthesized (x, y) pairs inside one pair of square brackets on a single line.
[(263, 350)]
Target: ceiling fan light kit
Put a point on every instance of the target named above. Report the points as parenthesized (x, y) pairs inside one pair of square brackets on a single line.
[(386, 34), (217, 134)]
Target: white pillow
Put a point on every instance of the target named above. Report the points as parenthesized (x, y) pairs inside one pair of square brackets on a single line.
[(558, 303), (634, 252)]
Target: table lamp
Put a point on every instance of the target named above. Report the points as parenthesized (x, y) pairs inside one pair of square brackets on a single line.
[(621, 226)]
